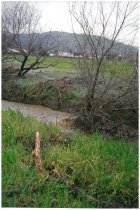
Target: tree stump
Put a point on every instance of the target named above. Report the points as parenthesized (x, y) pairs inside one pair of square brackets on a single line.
[(37, 156)]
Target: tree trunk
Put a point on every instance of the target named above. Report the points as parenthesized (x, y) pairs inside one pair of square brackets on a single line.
[(22, 66)]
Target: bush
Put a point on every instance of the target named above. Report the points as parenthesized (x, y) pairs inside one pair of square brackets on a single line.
[(48, 94)]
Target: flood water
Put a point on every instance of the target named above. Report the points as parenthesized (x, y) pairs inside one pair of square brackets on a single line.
[(41, 113)]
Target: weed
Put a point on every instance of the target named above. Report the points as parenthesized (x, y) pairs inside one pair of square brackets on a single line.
[(106, 170)]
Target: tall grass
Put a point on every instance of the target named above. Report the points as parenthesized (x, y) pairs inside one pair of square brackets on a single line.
[(105, 169)]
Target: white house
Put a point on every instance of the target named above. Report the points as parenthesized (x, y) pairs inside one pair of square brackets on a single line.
[(51, 54), (65, 54)]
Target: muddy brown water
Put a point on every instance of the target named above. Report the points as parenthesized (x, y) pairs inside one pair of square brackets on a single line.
[(44, 114)]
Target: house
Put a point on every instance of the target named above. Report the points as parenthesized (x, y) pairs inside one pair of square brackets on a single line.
[(65, 54), (10, 50), (51, 55), (16, 51)]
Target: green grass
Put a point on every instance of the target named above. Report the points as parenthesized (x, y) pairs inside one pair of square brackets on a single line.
[(118, 67), (68, 64), (104, 169), (61, 63), (64, 68), (59, 73)]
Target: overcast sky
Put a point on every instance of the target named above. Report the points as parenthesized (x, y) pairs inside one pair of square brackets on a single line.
[(56, 16)]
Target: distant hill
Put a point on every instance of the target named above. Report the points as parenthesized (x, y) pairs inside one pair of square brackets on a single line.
[(64, 41)]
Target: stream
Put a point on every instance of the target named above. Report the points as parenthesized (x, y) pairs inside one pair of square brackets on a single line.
[(41, 113)]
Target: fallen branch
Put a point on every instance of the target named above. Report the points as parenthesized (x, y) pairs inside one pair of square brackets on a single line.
[(75, 191), (101, 203)]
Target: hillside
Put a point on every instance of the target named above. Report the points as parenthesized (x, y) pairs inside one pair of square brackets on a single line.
[(64, 41)]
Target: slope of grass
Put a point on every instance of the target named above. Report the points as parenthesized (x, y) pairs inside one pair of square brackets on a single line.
[(105, 170)]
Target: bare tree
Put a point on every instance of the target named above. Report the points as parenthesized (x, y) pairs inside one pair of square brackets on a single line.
[(101, 25), (21, 30), (7, 27)]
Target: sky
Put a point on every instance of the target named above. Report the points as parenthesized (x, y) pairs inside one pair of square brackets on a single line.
[(56, 16)]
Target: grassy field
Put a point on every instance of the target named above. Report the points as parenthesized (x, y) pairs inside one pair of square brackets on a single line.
[(61, 63), (68, 64), (94, 172), (64, 68)]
